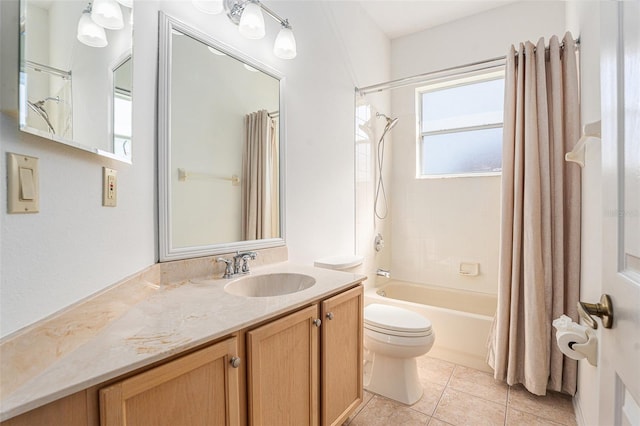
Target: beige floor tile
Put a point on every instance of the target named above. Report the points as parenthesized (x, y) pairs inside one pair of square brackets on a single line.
[(520, 418), (384, 412), (459, 408), (435, 370), (430, 398), (478, 383), (436, 422), (366, 397), (554, 406)]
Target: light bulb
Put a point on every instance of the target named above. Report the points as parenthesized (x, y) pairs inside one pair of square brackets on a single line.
[(252, 22), (212, 7), (90, 33), (107, 14), (285, 44)]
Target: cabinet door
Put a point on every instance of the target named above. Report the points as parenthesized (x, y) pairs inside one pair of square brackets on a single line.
[(198, 389), (283, 371), (341, 356)]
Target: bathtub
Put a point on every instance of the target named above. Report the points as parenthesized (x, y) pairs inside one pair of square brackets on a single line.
[(461, 319)]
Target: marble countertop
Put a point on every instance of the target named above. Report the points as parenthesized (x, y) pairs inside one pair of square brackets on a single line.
[(167, 320)]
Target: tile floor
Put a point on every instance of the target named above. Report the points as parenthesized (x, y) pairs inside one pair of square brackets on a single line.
[(458, 395)]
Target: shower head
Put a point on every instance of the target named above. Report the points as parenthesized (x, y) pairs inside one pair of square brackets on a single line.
[(391, 122)]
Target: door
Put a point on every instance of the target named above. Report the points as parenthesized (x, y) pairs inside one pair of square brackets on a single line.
[(341, 359), (283, 371), (619, 364), (197, 389)]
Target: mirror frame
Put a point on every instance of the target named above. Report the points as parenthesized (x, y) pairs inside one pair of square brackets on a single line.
[(22, 98), (167, 252)]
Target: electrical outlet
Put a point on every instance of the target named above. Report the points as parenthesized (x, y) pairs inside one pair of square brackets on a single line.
[(109, 187)]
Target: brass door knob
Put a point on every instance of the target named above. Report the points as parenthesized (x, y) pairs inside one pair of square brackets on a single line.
[(604, 310)]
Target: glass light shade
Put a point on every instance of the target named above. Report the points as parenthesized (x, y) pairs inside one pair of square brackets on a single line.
[(212, 7), (216, 51), (252, 22), (90, 33), (126, 3), (107, 14), (285, 44)]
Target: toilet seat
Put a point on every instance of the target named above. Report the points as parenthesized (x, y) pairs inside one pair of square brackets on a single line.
[(395, 321)]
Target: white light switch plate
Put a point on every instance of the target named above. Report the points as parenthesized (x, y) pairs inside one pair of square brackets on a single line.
[(109, 187), (23, 184)]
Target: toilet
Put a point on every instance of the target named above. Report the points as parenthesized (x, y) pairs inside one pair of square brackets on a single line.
[(393, 338)]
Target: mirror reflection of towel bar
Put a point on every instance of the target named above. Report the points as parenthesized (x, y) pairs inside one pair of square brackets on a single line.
[(184, 175)]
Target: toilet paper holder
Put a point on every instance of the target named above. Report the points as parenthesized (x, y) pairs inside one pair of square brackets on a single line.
[(604, 310)]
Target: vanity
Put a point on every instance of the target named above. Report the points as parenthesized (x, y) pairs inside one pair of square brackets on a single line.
[(212, 357)]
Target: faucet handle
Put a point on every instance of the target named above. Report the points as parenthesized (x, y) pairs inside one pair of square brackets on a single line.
[(228, 269)]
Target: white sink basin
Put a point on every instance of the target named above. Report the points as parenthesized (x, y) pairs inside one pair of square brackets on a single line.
[(268, 285)]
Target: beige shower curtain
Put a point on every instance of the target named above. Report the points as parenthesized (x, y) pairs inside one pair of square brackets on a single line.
[(540, 235), (260, 178)]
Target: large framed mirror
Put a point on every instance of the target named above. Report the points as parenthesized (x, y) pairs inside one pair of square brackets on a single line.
[(221, 147), (76, 73)]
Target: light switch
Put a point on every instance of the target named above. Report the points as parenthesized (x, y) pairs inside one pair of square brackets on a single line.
[(22, 184), (27, 187)]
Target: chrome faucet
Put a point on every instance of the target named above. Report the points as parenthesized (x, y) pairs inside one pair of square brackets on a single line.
[(239, 265), (383, 273), (241, 262)]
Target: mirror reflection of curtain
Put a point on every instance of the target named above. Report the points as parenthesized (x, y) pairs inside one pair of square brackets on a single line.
[(260, 193)]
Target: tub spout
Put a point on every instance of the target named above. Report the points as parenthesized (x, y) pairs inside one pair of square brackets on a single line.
[(384, 273)]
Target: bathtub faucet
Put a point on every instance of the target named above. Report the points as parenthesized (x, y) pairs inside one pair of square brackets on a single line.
[(383, 273)]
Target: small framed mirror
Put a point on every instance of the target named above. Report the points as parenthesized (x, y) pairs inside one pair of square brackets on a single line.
[(221, 149), (76, 73)]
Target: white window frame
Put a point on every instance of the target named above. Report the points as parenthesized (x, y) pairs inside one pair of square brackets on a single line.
[(455, 80)]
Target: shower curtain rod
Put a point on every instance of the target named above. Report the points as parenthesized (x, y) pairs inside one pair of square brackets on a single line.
[(445, 72)]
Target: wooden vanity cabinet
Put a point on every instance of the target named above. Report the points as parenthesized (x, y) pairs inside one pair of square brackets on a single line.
[(306, 368), (302, 369), (341, 356), (201, 388)]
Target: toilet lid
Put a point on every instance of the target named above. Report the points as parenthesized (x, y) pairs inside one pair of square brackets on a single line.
[(391, 319)]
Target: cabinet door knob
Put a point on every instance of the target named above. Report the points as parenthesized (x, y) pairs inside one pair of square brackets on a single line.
[(329, 315), (317, 322), (235, 362)]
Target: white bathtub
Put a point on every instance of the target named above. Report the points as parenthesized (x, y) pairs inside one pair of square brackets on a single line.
[(461, 319)]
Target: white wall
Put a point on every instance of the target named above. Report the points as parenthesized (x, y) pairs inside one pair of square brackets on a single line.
[(438, 223), (75, 247)]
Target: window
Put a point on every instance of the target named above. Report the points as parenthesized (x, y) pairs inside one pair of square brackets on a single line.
[(460, 124)]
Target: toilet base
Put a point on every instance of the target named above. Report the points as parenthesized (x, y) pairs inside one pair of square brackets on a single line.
[(394, 378)]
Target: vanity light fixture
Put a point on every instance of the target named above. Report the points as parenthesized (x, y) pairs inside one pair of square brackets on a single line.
[(247, 14), (107, 14), (98, 15), (285, 45), (89, 32), (251, 23)]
